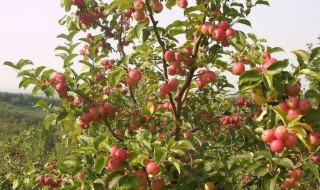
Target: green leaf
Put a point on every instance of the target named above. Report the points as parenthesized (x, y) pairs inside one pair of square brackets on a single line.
[(39, 70), (310, 73), (277, 67), (159, 153), (268, 81), (281, 114), (98, 141), (251, 75), (313, 167), (275, 49), (312, 94), (23, 62), (286, 162), (262, 2), (99, 164), (116, 76), (68, 59), (10, 64), (313, 115), (47, 121), (26, 82), (245, 22), (135, 32), (15, 184), (176, 163), (41, 103), (238, 41), (184, 145), (114, 179), (314, 53), (252, 167), (302, 55)]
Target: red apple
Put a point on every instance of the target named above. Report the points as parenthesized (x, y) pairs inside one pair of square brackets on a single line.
[(293, 90), (296, 173), (139, 6), (277, 146), (157, 184), (288, 183), (304, 106), (238, 68), (314, 138), (218, 34), (268, 135), (169, 56), (171, 71), (292, 112), (291, 140), (165, 88), (284, 106), (152, 168), (281, 132), (230, 32), (135, 74), (114, 163), (157, 7), (316, 159), (122, 154), (187, 134), (139, 16), (174, 83), (113, 151), (182, 3), (224, 25), (292, 102)]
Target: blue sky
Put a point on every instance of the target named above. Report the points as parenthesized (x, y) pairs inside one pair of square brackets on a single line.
[(29, 30)]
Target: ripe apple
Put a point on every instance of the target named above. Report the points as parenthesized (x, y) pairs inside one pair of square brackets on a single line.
[(139, 16), (314, 138), (292, 102), (268, 63), (122, 154), (113, 151), (200, 83), (174, 83), (218, 34), (41, 179), (165, 88), (224, 25), (61, 87), (48, 180), (171, 71), (304, 106), (316, 159), (292, 112), (135, 74), (291, 140), (179, 57), (277, 146), (225, 42), (268, 135), (288, 183), (296, 173), (188, 51), (266, 55), (207, 28), (169, 56), (152, 168), (114, 163), (281, 132), (139, 6), (157, 7), (157, 184), (293, 90), (187, 134), (238, 68), (284, 106), (86, 118), (182, 3), (230, 32)]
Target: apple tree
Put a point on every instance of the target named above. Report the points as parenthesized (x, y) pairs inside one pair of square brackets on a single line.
[(150, 106)]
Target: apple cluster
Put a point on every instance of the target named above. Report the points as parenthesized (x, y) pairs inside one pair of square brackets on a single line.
[(279, 138), (168, 87), (117, 155), (139, 12), (295, 175), (205, 77), (176, 58), (59, 81), (49, 181), (96, 114), (243, 102), (230, 120), (293, 107)]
